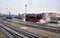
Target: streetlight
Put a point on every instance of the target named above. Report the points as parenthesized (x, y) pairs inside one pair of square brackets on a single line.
[(25, 8), (25, 11)]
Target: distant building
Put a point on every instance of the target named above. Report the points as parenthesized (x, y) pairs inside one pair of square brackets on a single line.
[(58, 15)]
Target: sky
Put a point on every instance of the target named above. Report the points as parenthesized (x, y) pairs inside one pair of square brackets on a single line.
[(33, 6)]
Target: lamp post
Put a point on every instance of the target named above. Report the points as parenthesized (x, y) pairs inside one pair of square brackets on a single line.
[(25, 11), (25, 8)]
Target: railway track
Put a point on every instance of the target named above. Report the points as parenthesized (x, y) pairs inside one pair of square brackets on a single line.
[(18, 33), (8, 33), (41, 26)]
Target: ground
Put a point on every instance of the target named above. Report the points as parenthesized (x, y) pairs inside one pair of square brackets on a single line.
[(37, 31), (1, 35)]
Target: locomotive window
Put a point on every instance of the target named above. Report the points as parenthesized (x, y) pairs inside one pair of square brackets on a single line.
[(39, 16), (31, 16)]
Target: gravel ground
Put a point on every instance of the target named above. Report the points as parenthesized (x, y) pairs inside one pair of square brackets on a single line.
[(1, 35), (37, 31)]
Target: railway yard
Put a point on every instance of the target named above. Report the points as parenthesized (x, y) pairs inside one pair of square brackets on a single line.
[(23, 29), (29, 19)]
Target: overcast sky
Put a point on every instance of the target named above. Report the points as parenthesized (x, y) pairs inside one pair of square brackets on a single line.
[(33, 6)]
